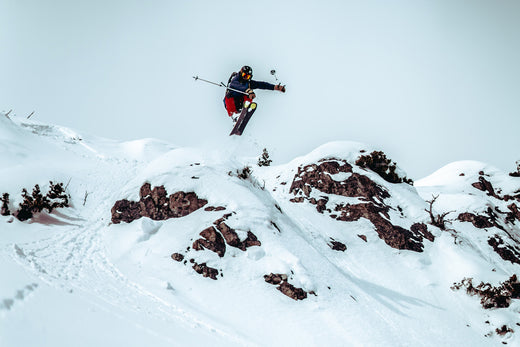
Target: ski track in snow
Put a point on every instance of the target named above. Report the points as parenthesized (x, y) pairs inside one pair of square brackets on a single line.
[(75, 260)]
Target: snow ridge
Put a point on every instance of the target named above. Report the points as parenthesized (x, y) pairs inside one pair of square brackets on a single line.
[(354, 257)]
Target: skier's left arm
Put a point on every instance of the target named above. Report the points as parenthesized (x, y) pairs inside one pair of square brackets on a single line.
[(265, 85)]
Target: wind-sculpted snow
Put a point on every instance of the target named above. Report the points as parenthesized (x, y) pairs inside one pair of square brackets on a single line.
[(219, 251)]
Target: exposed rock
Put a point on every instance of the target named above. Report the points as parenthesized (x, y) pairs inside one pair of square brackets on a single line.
[(506, 252), (212, 240), (285, 287), (155, 204), (504, 330), (205, 270), (337, 246), (320, 177), (231, 236), (514, 214), (182, 204), (422, 229), (292, 292), (126, 211), (480, 222), (213, 208), (394, 236), (275, 278), (177, 257), (485, 186), (363, 237)]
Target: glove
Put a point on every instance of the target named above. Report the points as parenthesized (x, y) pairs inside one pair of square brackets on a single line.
[(280, 88), (251, 94)]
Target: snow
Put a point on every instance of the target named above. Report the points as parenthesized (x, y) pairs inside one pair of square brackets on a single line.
[(73, 278)]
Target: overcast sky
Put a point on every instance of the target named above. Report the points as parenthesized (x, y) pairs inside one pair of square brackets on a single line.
[(429, 82)]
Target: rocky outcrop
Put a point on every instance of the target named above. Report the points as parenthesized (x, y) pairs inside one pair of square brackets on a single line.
[(156, 204), (334, 176), (319, 176), (212, 240), (285, 287), (231, 236), (206, 271), (480, 222), (506, 252), (337, 246), (215, 238), (485, 186)]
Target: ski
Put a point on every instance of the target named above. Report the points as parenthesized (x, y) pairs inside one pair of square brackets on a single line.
[(243, 119)]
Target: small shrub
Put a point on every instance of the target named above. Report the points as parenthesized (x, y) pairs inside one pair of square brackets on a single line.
[(37, 202), (57, 196), (517, 173), (4, 210), (264, 159), (245, 173), (492, 297), (437, 220), (380, 164), (25, 208)]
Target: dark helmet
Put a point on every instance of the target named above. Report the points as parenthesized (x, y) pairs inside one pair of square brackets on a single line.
[(246, 73)]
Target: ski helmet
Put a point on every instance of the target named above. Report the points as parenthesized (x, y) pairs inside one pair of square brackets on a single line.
[(246, 73)]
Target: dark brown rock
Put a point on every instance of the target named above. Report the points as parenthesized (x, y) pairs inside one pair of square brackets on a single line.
[(292, 292), (125, 211), (394, 236), (363, 237), (318, 176), (506, 252), (212, 240), (514, 214), (480, 222), (285, 287), (422, 229), (233, 240), (177, 257), (485, 186), (337, 246), (155, 204), (275, 278), (205, 270)]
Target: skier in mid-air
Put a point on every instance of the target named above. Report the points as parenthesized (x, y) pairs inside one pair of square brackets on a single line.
[(242, 82)]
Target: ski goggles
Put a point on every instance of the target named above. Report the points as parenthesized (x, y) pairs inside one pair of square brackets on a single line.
[(246, 76)]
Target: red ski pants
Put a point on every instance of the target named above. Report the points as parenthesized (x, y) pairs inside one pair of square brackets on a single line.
[(231, 107)]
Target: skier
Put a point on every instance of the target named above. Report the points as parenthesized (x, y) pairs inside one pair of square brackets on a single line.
[(234, 101)]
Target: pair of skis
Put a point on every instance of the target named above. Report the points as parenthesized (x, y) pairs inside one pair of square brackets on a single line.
[(246, 113), (243, 119)]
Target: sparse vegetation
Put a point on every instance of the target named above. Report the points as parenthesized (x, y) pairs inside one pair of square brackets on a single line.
[(437, 220), (384, 167), (264, 159), (36, 202), (492, 297), (517, 173), (245, 173), (4, 210)]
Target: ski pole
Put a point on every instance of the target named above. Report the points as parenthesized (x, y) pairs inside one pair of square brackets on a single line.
[(221, 84)]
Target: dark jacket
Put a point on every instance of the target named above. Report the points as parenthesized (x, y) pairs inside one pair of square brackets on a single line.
[(239, 84)]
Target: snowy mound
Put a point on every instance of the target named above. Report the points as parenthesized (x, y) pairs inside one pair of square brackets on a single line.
[(163, 245)]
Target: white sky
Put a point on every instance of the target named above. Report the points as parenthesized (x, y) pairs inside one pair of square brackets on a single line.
[(428, 82)]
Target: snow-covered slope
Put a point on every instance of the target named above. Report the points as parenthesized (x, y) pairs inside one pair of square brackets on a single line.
[(186, 246)]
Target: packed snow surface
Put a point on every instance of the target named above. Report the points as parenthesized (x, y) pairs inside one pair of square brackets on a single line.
[(72, 277)]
